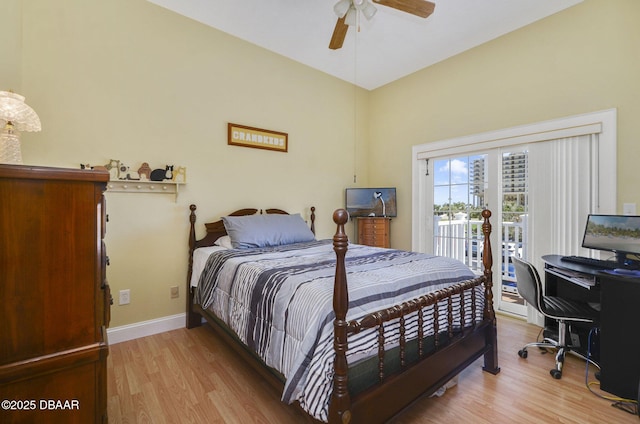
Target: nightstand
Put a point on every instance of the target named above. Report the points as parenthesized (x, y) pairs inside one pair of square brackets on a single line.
[(374, 231)]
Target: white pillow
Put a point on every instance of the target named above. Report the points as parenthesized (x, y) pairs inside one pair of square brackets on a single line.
[(224, 241), (200, 257), (266, 230)]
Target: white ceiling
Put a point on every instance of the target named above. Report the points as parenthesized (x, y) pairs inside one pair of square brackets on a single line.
[(390, 46)]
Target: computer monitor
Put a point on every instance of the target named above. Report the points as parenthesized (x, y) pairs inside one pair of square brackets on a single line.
[(614, 233)]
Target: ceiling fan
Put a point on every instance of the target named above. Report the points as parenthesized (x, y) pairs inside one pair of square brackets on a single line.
[(348, 14)]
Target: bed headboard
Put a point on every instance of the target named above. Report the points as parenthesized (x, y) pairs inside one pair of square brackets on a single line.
[(216, 229)]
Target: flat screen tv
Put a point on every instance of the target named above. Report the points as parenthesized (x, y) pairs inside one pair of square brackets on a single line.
[(371, 202), (614, 233)]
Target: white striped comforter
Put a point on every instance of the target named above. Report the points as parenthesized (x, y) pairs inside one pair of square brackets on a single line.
[(279, 302)]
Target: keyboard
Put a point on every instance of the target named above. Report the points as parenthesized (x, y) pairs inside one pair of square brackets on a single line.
[(594, 263)]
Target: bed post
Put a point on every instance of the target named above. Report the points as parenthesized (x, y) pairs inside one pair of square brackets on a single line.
[(491, 356), (193, 319), (313, 219), (340, 406)]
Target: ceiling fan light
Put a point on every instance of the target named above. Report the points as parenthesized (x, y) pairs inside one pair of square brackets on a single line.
[(352, 17), (359, 4), (341, 8), (369, 11)]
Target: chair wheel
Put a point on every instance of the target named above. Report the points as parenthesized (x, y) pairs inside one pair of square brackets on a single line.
[(522, 353), (556, 374)]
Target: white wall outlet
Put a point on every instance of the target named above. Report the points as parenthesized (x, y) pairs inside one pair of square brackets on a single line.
[(175, 292), (629, 208), (125, 297)]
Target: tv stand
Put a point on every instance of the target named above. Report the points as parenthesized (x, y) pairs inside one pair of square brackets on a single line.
[(374, 231)]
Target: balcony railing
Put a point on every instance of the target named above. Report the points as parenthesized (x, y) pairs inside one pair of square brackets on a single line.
[(463, 240)]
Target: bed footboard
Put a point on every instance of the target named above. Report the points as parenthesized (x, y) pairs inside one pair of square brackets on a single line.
[(476, 336)]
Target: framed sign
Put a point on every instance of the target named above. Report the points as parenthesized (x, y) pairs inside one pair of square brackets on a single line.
[(241, 135)]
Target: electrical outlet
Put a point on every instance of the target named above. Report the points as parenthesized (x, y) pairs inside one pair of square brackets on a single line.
[(175, 292), (125, 297)]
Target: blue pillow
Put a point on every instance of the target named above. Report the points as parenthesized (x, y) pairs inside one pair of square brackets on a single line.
[(266, 230)]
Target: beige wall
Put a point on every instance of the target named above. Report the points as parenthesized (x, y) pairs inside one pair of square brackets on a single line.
[(128, 80), (10, 42), (581, 60)]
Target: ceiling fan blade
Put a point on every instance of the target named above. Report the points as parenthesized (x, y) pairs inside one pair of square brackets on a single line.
[(339, 33), (420, 8)]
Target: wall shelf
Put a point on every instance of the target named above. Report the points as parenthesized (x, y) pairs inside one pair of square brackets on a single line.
[(133, 186)]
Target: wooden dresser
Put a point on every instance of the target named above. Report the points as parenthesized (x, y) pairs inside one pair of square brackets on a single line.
[(54, 296), (374, 231)]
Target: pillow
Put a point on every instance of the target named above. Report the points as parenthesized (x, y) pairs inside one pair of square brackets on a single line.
[(200, 256), (266, 230), (224, 241)]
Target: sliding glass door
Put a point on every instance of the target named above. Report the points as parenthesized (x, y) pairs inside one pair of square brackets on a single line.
[(540, 182), (462, 187), (514, 204)]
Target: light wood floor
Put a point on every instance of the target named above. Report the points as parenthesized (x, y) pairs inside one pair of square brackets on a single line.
[(189, 376)]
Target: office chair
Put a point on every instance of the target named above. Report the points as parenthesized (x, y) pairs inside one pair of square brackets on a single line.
[(564, 311)]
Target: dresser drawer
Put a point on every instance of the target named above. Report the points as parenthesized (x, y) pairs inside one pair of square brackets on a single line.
[(374, 231)]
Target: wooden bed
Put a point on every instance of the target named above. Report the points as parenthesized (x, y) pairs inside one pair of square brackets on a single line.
[(446, 357)]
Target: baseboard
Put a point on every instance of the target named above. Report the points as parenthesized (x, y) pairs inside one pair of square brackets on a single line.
[(145, 328)]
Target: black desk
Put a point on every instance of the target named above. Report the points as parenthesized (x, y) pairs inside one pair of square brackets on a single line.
[(619, 298)]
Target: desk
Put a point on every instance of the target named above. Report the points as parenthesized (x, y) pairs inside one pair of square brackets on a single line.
[(619, 298), (577, 282), (620, 336)]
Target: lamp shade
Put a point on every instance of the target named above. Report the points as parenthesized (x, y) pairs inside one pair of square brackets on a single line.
[(359, 4), (13, 109), (15, 116), (351, 18), (369, 11), (342, 7), (349, 10)]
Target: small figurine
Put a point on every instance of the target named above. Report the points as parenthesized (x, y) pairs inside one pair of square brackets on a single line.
[(113, 167), (180, 174), (144, 171), (97, 167), (123, 170), (162, 174)]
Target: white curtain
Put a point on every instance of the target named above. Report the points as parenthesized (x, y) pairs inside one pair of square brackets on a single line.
[(563, 190)]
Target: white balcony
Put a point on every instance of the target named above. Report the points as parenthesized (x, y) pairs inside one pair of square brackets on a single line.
[(463, 240)]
